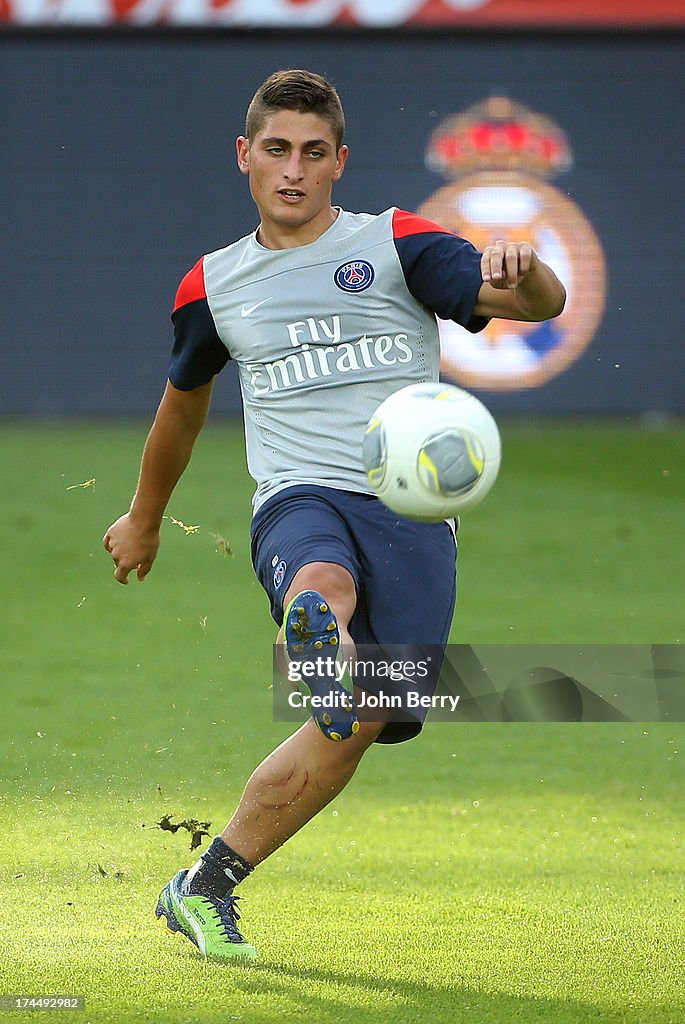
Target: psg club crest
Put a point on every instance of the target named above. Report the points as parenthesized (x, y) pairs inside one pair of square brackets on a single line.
[(279, 573), (498, 154), (354, 276)]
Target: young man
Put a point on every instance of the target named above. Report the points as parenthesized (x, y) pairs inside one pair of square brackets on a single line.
[(326, 313)]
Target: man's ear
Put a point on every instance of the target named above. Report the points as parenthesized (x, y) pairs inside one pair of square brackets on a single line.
[(242, 148), (342, 158)]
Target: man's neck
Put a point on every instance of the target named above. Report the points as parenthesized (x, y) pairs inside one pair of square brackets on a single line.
[(279, 236)]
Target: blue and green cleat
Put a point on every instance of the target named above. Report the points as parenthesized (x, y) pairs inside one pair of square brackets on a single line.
[(209, 923), (311, 636)]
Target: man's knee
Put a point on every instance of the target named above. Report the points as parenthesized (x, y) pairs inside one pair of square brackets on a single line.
[(332, 581), (284, 784), (348, 751)]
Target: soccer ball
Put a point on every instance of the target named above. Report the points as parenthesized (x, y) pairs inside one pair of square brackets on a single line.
[(431, 451)]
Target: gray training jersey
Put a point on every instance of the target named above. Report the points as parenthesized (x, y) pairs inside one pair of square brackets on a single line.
[(322, 334)]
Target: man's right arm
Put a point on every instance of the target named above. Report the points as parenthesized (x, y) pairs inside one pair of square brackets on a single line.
[(133, 540)]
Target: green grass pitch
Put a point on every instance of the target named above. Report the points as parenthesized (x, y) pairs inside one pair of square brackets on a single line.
[(483, 873)]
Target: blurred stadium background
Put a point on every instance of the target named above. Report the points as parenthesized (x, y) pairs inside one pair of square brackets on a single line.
[(118, 125)]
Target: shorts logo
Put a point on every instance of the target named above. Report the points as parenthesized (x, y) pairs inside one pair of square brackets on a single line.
[(355, 276), (279, 574)]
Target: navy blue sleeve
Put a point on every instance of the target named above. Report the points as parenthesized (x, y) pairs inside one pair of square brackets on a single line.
[(441, 270), (198, 353)]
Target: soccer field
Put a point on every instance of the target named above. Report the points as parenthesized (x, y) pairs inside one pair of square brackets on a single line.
[(483, 873)]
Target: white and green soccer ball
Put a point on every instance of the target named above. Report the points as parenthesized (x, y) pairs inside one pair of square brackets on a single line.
[(431, 451)]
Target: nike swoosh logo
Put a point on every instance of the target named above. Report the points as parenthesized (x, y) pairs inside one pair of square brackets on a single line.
[(247, 310)]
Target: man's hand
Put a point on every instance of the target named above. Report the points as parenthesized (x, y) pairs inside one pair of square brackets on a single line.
[(132, 546), (133, 541), (505, 264), (517, 285)]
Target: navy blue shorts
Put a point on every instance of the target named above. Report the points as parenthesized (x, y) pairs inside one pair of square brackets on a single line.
[(404, 571)]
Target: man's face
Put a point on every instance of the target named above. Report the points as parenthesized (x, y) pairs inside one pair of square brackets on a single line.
[(292, 163)]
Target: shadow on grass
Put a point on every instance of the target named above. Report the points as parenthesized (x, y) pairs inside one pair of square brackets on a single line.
[(304, 992)]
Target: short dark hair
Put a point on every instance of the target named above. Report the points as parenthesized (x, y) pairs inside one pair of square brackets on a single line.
[(304, 91)]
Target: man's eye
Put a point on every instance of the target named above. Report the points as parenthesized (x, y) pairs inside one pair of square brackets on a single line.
[(276, 150), (316, 154)]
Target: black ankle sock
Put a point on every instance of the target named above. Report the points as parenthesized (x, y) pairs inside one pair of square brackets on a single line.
[(217, 872)]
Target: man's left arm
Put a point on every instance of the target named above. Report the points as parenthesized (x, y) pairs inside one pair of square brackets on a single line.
[(517, 285)]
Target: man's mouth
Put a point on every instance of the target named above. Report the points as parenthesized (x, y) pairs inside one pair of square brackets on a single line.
[(291, 194)]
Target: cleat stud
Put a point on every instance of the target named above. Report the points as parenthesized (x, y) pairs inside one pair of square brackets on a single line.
[(326, 719), (331, 626), (335, 736), (333, 641), (355, 728), (318, 644), (298, 648), (323, 607), (300, 611)]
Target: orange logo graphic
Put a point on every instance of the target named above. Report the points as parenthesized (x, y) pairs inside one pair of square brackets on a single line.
[(498, 154)]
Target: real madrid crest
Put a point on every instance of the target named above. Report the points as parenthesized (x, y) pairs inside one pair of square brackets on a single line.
[(499, 153)]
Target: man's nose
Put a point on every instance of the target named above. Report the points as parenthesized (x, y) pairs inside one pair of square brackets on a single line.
[(294, 167)]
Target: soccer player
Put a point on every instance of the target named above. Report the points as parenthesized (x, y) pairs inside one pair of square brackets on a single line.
[(326, 313)]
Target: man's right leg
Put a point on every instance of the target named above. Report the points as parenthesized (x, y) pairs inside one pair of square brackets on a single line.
[(307, 770), (285, 791), (296, 781)]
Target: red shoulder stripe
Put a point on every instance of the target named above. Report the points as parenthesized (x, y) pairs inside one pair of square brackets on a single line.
[(192, 287), (404, 224)]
